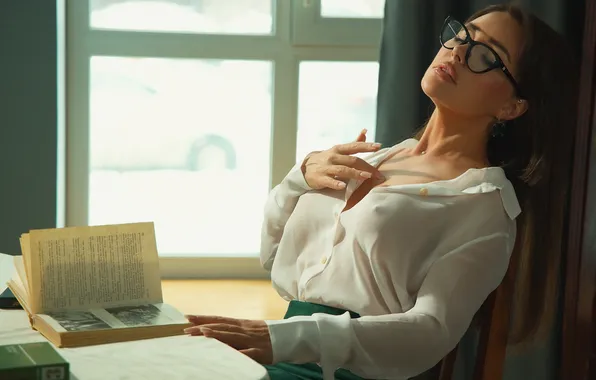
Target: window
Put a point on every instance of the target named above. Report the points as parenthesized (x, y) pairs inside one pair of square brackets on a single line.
[(187, 113), (337, 22)]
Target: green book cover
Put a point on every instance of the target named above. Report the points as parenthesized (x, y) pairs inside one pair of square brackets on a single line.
[(32, 361)]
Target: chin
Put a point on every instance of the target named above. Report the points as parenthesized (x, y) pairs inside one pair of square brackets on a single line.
[(445, 97), (438, 91)]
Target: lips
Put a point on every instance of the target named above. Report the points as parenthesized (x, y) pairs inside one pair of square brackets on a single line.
[(449, 70)]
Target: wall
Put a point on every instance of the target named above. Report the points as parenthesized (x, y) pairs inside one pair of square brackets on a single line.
[(28, 118)]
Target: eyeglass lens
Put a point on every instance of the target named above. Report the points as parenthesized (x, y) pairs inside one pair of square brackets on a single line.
[(480, 57)]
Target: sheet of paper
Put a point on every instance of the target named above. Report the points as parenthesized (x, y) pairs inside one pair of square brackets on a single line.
[(94, 267), (7, 270)]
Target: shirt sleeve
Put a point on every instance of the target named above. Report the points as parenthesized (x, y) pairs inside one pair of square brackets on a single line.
[(400, 346), (279, 206)]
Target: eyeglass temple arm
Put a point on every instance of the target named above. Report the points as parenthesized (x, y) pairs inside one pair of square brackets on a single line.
[(511, 79)]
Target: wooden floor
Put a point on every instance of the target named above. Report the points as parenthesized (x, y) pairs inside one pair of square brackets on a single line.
[(251, 299)]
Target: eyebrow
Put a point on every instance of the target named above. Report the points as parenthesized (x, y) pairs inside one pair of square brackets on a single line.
[(475, 28)]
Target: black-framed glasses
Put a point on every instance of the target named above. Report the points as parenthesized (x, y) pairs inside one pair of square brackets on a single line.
[(480, 58)]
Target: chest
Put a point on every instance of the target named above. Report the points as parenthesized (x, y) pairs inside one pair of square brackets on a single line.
[(404, 170)]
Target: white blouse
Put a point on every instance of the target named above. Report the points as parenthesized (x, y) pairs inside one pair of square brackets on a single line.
[(415, 261)]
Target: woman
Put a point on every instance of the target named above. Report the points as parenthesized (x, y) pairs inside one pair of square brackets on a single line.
[(386, 259)]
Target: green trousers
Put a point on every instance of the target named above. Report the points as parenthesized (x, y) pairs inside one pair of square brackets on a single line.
[(308, 371)]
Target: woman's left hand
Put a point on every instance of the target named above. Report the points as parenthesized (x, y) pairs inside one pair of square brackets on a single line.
[(251, 337)]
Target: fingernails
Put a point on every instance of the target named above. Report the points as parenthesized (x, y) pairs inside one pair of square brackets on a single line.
[(188, 330), (205, 330), (341, 185), (365, 175), (376, 145), (364, 131), (379, 176)]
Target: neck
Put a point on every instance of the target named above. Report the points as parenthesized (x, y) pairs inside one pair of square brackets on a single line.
[(447, 134)]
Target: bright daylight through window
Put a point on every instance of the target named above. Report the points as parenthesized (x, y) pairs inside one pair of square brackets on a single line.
[(188, 101)]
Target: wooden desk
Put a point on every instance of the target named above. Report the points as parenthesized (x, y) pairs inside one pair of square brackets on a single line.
[(250, 299)]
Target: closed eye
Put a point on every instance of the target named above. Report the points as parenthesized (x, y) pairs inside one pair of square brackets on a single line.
[(475, 28)]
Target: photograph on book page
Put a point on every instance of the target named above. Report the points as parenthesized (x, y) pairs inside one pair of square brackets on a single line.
[(114, 318), (142, 315), (74, 320)]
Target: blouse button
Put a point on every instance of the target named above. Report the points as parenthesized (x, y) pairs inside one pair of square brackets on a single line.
[(324, 260), (424, 191)]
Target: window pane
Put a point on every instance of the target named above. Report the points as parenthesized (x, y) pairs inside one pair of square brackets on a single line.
[(352, 8), (183, 143), (191, 16), (336, 101)]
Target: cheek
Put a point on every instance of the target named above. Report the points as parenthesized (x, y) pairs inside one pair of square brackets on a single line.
[(491, 83), (485, 91)]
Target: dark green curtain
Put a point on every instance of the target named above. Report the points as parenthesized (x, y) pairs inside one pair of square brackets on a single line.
[(409, 43)]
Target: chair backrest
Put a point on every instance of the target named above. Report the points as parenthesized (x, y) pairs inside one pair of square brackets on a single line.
[(493, 322)]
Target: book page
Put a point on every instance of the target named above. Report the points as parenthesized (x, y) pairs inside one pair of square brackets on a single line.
[(18, 290), (114, 318), (25, 252), (94, 267), (21, 272)]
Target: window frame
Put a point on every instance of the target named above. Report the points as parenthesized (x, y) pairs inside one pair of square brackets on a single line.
[(310, 28), (84, 43)]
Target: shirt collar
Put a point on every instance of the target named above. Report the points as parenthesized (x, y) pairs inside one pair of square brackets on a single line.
[(473, 181), (485, 180)]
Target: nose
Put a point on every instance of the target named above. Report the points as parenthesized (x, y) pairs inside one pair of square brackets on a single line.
[(459, 53)]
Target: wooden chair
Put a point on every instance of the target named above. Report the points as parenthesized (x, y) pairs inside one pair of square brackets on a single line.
[(493, 322)]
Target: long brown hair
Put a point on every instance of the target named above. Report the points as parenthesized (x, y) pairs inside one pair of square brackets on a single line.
[(535, 152)]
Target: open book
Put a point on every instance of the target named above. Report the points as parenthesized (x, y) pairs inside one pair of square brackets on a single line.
[(92, 285)]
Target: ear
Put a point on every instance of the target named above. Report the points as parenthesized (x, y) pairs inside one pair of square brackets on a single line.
[(513, 109)]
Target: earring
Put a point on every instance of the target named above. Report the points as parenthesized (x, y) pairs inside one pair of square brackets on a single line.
[(498, 128)]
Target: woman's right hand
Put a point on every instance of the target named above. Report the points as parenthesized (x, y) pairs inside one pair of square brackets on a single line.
[(331, 167)]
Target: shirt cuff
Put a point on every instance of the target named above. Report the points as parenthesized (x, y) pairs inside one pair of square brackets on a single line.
[(321, 338), (294, 340), (295, 178)]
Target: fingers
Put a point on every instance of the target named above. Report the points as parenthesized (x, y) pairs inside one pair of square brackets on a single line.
[(205, 319), (329, 169), (252, 340), (331, 183), (362, 136), (345, 172), (356, 147), (358, 166), (208, 328), (198, 330), (232, 335), (233, 339), (253, 353)]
